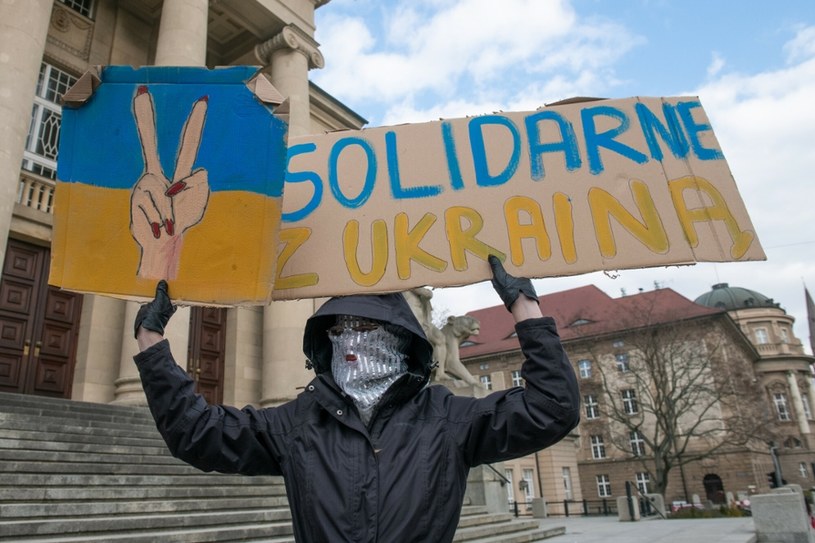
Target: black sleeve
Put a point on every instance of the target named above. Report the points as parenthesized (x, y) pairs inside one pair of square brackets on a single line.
[(521, 420), (209, 437)]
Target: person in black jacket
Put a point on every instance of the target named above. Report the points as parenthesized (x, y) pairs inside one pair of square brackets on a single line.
[(368, 452)]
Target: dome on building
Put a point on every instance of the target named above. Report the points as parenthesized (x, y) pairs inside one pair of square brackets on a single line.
[(726, 297)]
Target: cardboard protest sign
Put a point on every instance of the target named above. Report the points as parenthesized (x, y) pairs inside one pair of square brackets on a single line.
[(567, 189), (170, 173)]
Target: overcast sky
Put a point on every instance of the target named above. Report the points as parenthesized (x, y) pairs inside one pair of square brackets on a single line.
[(751, 63)]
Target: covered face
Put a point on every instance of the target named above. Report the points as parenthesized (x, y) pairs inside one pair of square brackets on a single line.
[(362, 341), (368, 356)]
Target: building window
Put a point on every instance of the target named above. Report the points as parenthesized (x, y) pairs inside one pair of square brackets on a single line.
[(807, 410), (793, 443), (780, 401), (643, 479), (529, 488), (510, 486), (584, 367), (567, 483), (42, 144), (622, 362), (785, 338), (592, 407), (598, 448), (618, 344), (484, 366), (630, 405), (486, 380), (802, 469), (83, 7), (517, 380), (761, 336), (603, 486), (637, 443)]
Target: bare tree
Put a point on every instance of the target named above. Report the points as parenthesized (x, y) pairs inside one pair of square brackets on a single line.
[(674, 392)]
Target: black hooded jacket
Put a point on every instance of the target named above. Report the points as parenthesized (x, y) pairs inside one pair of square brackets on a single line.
[(402, 479)]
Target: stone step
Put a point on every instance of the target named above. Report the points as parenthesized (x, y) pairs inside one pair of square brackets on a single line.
[(68, 406), (30, 511), (485, 518), (135, 417), (278, 525), (473, 510), (87, 438), (58, 425), (481, 531), (89, 493), (55, 457), (190, 478), (94, 467), (39, 445), (223, 534), (531, 536), (72, 409)]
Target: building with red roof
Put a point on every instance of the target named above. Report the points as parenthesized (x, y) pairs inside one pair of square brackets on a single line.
[(735, 393)]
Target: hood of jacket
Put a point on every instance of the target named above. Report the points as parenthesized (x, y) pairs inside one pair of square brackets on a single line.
[(391, 308)]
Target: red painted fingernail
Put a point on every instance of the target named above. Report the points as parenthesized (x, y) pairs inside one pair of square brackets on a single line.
[(142, 89), (156, 229), (204, 98), (169, 226), (175, 188)]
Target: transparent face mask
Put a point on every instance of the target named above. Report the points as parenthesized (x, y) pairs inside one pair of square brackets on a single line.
[(367, 358)]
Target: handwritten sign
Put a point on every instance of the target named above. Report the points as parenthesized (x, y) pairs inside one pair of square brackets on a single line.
[(170, 173), (567, 189)]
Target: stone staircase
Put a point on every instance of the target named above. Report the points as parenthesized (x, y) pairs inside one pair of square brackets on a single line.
[(80, 472)]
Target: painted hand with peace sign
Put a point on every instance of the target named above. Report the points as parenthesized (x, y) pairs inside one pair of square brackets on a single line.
[(161, 210)]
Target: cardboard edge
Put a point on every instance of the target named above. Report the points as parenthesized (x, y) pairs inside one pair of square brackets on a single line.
[(283, 111), (82, 91), (262, 88), (574, 100)]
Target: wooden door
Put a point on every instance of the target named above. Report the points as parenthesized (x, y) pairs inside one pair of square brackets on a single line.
[(205, 360), (38, 325)]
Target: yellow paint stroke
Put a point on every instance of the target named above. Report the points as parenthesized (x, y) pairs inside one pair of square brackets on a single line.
[(406, 244), (534, 228), (650, 232), (379, 252), (293, 238), (463, 239), (719, 211)]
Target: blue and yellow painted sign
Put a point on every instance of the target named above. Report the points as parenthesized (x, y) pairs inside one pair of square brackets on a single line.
[(170, 173)]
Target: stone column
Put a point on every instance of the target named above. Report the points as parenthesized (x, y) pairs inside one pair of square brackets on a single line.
[(288, 57), (182, 41), (182, 34), (23, 29), (797, 404)]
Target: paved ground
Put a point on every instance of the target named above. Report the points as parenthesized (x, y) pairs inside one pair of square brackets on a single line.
[(611, 530)]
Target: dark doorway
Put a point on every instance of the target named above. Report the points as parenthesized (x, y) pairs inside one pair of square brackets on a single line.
[(38, 325), (205, 361), (714, 488)]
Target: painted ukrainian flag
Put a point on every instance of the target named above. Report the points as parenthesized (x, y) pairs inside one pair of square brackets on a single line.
[(170, 173)]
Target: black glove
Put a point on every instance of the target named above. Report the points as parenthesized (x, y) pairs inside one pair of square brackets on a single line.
[(509, 287), (156, 314)]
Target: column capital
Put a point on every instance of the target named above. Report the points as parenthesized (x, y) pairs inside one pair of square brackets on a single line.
[(291, 37)]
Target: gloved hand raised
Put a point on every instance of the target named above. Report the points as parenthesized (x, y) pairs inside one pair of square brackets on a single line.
[(510, 287), (156, 314)]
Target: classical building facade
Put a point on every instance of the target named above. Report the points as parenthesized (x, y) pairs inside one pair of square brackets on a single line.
[(69, 345), (784, 371), (731, 396)]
